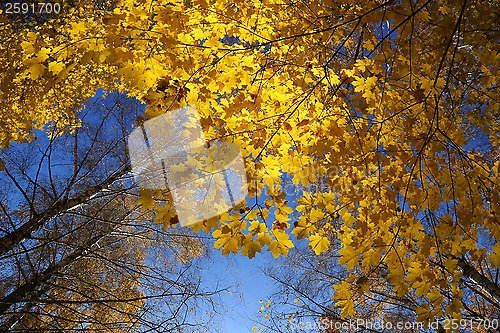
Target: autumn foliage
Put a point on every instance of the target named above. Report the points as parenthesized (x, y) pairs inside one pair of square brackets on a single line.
[(368, 124)]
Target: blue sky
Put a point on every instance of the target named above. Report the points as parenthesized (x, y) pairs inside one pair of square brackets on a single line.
[(245, 277)]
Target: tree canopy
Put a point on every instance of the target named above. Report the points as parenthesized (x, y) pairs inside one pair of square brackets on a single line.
[(368, 129)]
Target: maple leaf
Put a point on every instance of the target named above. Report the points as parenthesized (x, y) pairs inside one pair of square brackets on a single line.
[(250, 247), (281, 244), (424, 313), (27, 47), (495, 257), (56, 67), (319, 243), (263, 238), (77, 28), (36, 70), (145, 199)]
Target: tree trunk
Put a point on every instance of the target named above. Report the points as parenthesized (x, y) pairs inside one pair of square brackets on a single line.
[(36, 222), (27, 291), (491, 289)]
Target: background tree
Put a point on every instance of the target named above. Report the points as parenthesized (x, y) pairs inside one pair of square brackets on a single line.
[(77, 251), (302, 300)]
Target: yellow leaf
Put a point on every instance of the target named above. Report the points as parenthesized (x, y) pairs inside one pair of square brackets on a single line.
[(165, 215), (146, 199), (444, 9), (283, 238), (281, 244), (27, 47), (36, 70), (212, 42), (495, 257), (423, 313), (263, 238), (250, 247), (368, 44), (245, 79), (303, 229), (231, 245), (56, 67), (333, 78), (31, 36), (348, 72), (227, 241), (319, 243), (77, 28), (347, 308), (255, 225), (415, 272), (342, 291), (348, 218), (43, 54), (426, 83)]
